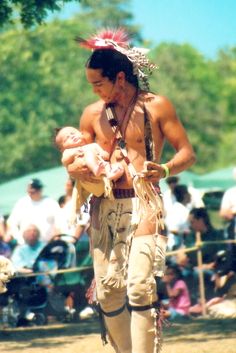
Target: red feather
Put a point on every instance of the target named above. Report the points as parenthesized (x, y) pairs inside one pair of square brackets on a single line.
[(119, 36)]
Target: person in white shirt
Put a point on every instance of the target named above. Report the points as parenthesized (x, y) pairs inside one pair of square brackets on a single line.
[(228, 203), (77, 229), (176, 219), (34, 208), (169, 197), (228, 213)]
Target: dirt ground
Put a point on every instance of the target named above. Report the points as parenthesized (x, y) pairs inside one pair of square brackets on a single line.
[(193, 336)]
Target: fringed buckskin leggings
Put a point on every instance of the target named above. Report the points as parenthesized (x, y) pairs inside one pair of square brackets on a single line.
[(124, 271)]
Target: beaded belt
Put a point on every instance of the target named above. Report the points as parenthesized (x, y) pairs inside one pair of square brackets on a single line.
[(123, 193)]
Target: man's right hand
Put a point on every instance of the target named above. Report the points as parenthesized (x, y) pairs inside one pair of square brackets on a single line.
[(77, 171)]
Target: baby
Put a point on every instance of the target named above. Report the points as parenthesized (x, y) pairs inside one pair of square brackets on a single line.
[(72, 144)]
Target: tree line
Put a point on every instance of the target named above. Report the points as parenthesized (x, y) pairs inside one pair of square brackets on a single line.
[(43, 86)]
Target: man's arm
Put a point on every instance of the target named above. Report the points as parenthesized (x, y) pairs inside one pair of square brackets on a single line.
[(163, 113), (87, 123), (176, 135)]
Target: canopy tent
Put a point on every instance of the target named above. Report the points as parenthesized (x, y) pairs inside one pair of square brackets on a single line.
[(188, 178), (221, 179), (53, 180)]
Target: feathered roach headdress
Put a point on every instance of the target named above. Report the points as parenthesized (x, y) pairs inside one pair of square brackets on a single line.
[(118, 39)]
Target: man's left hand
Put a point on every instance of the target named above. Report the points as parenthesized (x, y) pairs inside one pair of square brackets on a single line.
[(152, 172)]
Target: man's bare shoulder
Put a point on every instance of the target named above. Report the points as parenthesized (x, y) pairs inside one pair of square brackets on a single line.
[(94, 109), (90, 116), (158, 103)]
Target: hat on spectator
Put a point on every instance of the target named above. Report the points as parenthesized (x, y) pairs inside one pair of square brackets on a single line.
[(36, 184)]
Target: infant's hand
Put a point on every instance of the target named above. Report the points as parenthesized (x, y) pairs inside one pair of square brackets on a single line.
[(152, 172)]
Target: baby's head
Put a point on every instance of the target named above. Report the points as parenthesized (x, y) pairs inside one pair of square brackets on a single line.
[(68, 137)]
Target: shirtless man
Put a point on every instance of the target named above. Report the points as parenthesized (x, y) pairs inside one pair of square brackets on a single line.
[(115, 71)]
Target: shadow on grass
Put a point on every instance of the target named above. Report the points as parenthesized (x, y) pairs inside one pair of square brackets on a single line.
[(200, 329), (48, 336), (82, 328)]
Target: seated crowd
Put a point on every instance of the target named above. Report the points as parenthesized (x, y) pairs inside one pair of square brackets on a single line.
[(36, 219), (190, 229)]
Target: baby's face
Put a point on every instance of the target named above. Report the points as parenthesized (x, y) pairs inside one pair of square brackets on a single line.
[(69, 137)]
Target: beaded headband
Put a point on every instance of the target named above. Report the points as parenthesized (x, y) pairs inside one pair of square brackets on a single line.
[(118, 39)]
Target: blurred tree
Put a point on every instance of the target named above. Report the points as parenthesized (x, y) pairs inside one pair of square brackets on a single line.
[(194, 86), (98, 13), (31, 12), (42, 84), (226, 69)]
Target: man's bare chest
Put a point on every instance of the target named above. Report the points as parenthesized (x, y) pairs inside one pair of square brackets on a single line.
[(132, 130)]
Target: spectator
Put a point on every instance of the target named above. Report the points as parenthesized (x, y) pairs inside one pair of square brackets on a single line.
[(196, 198), (62, 201), (189, 275), (228, 213), (78, 229), (65, 203), (228, 203), (223, 303), (200, 222), (5, 248), (68, 192), (179, 302), (37, 209), (225, 288), (69, 189), (177, 217), (24, 256), (169, 197)]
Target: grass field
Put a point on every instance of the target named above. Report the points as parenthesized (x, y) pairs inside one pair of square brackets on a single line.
[(193, 336)]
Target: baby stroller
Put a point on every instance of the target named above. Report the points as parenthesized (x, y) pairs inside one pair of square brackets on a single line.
[(55, 258), (23, 303), (31, 299), (68, 286)]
